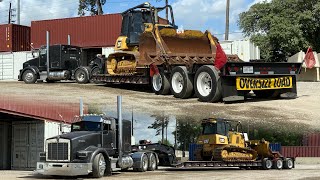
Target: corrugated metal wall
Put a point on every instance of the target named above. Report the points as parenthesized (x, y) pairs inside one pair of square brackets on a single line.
[(312, 139), (14, 37), (300, 151), (89, 31)]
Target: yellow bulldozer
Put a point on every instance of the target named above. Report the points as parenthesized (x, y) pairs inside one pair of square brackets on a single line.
[(221, 144), (154, 51)]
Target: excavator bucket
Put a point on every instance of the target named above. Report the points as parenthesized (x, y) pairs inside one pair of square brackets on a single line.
[(175, 48)]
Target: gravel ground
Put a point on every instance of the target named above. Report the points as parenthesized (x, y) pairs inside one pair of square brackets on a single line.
[(305, 110), (310, 172)]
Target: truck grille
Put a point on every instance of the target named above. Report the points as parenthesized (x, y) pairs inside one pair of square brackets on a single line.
[(58, 151)]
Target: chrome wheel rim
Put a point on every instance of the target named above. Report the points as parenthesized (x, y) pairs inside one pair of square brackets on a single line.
[(268, 164), (204, 84), (153, 162), (102, 165), (29, 76), (145, 163), (177, 82), (279, 164), (157, 82), (81, 76), (290, 163)]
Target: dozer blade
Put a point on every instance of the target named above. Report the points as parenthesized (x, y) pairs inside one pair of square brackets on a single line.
[(190, 46)]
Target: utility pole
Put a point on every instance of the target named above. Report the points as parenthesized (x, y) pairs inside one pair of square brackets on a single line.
[(167, 11), (9, 17), (227, 20), (18, 11)]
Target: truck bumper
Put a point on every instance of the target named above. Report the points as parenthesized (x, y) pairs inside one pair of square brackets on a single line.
[(64, 169)]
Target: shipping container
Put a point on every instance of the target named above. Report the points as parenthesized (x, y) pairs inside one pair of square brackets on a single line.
[(312, 139), (14, 38), (245, 49), (192, 150), (88, 31), (11, 63), (300, 151), (275, 147)]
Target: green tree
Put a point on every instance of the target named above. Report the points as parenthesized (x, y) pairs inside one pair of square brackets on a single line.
[(160, 124), (187, 132), (93, 6), (282, 28)]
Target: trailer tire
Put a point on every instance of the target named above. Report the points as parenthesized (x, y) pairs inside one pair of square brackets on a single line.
[(181, 83), (98, 166), (266, 164), (207, 84), (29, 77), (152, 162), (81, 76), (278, 164), (160, 84), (144, 164), (288, 163)]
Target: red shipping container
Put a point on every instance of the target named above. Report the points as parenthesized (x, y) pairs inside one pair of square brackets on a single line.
[(88, 31), (14, 37), (312, 139), (300, 151)]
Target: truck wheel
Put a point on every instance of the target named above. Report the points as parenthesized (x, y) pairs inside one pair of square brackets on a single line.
[(208, 84), (181, 82), (152, 163), (278, 164), (98, 166), (29, 77), (144, 164), (81, 76), (160, 84), (266, 164), (288, 163)]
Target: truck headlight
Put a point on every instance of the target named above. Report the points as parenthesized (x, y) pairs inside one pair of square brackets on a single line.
[(42, 154), (83, 154)]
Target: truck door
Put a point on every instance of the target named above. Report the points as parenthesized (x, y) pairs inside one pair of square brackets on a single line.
[(42, 56), (108, 136)]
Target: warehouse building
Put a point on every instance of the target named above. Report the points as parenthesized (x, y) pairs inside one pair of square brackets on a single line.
[(24, 126)]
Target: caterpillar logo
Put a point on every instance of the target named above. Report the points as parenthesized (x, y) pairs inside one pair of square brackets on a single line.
[(245, 83)]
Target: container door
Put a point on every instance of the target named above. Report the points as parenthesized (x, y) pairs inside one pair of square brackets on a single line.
[(28, 142), (36, 135), (20, 146), (6, 66)]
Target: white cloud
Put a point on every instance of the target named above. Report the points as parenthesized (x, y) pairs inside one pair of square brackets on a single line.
[(32, 10), (193, 14)]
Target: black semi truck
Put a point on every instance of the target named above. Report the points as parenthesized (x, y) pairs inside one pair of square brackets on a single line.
[(98, 145), (64, 64)]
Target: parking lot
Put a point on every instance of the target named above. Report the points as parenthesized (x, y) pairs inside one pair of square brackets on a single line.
[(302, 171)]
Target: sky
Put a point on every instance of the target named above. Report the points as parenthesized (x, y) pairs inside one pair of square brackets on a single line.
[(189, 14)]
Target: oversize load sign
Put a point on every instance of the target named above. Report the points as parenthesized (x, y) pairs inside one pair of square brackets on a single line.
[(247, 83)]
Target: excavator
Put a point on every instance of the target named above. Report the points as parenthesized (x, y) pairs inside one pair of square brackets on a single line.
[(220, 144)]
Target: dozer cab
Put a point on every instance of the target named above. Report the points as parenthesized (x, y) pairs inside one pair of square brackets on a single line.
[(222, 145)]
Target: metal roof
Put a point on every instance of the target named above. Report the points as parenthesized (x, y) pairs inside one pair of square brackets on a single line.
[(40, 109)]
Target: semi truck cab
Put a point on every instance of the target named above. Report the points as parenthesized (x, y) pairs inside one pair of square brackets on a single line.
[(96, 145)]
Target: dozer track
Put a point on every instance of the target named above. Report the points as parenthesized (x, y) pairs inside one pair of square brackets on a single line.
[(234, 154)]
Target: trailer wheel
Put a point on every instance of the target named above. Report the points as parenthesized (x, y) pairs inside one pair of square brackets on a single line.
[(152, 162), (208, 84), (278, 164), (160, 84), (98, 166), (181, 82), (288, 163), (29, 77), (144, 164), (266, 164), (81, 76)]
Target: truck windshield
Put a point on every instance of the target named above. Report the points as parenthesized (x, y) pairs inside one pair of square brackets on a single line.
[(86, 126)]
